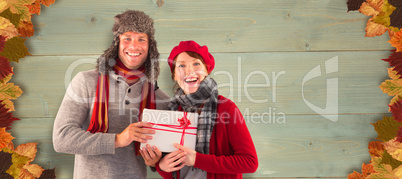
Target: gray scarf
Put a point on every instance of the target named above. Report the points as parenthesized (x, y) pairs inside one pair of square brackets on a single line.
[(204, 101)]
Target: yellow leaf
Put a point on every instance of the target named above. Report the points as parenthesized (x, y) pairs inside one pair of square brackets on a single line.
[(394, 100), (34, 169), (3, 6), (367, 10), (9, 91), (5, 138), (398, 172), (6, 79), (396, 41), (18, 162), (28, 150), (373, 29), (383, 170), (25, 174), (393, 74), (20, 7), (376, 4), (392, 87), (9, 105), (7, 29), (394, 148)]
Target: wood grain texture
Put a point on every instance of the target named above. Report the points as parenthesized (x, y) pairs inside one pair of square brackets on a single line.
[(281, 74), (226, 26), (263, 50), (302, 146)]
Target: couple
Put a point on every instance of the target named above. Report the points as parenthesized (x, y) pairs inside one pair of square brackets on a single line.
[(99, 119)]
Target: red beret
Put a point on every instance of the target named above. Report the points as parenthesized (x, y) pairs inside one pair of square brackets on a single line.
[(192, 46)]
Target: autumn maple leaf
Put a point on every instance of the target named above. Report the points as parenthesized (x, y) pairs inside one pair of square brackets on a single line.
[(379, 23), (396, 110), (394, 148), (367, 169), (26, 29), (6, 118), (22, 157), (5, 138), (19, 7), (396, 41), (7, 29), (35, 7), (386, 128), (376, 149), (395, 60), (2, 42), (15, 49), (8, 91), (5, 68)]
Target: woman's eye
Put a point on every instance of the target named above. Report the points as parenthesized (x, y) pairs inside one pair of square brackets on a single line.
[(181, 65), (196, 64)]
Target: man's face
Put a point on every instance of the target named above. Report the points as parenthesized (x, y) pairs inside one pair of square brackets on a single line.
[(133, 49)]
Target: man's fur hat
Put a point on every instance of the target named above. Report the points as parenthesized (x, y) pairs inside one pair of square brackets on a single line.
[(134, 21)]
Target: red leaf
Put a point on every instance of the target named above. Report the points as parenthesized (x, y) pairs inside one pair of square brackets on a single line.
[(5, 68), (354, 5), (2, 42), (399, 135), (396, 110), (395, 60), (6, 118)]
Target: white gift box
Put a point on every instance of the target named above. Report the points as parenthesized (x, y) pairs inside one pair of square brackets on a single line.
[(168, 129)]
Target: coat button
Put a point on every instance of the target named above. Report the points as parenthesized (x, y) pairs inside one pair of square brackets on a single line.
[(129, 90), (118, 82), (127, 102)]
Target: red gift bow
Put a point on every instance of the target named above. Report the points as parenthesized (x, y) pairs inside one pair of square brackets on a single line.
[(184, 123)]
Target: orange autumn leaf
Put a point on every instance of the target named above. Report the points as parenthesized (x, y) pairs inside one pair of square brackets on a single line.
[(34, 170), (376, 149), (7, 29), (26, 29), (367, 169), (376, 4), (47, 2), (34, 8), (25, 174), (396, 41), (5, 138), (394, 148), (28, 150), (373, 29), (367, 10)]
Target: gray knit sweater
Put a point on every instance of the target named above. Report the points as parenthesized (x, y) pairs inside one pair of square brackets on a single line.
[(95, 155)]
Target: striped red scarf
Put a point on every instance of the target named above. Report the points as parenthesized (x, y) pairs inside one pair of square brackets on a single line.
[(100, 120)]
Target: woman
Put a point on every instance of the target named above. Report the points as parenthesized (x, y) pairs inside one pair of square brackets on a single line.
[(224, 148)]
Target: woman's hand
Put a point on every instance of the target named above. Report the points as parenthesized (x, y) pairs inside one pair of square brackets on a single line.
[(173, 161), (134, 132), (151, 155), (191, 154)]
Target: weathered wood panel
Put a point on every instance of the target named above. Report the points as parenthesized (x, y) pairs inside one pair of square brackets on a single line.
[(226, 26), (359, 74), (301, 146)]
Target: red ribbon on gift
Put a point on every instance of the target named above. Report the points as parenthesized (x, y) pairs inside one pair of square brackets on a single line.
[(184, 123)]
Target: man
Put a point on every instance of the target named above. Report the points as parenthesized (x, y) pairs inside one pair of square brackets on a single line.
[(99, 118)]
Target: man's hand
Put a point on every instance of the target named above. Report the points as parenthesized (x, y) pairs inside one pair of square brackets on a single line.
[(190, 154), (134, 132), (151, 155)]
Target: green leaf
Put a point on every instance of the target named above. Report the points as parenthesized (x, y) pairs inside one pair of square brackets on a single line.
[(386, 128), (15, 49), (14, 18)]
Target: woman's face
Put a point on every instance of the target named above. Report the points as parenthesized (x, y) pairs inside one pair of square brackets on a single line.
[(189, 72)]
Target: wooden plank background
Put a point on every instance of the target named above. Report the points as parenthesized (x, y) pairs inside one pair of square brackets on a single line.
[(271, 43)]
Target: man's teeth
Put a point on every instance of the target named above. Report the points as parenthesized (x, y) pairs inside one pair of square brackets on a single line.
[(133, 54)]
